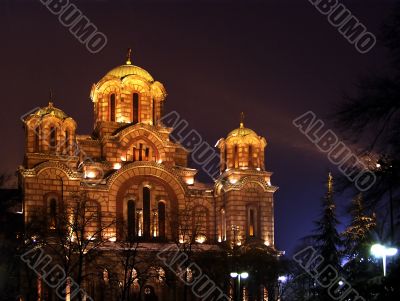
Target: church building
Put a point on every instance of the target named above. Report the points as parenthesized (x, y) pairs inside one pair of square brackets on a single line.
[(136, 180)]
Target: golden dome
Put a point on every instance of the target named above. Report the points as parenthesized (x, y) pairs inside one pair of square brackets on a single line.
[(129, 69), (125, 70), (50, 110), (242, 132)]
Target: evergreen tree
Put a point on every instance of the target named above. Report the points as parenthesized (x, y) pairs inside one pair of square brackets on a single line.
[(358, 238), (358, 235), (327, 239)]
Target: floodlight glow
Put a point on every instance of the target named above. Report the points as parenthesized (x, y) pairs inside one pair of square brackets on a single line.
[(234, 275), (380, 251), (282, 279), (377, 250), (244, 275), (391, 251)]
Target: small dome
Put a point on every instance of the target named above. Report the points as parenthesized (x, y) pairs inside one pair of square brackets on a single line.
[(128, 69), (50, 110), (242, 132)]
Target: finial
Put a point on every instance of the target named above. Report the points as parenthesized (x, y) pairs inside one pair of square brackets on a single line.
[(50, 98), (330, 182), (241, 120), (128, 57)]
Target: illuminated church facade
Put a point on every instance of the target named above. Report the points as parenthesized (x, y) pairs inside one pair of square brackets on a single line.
[(136, 179)]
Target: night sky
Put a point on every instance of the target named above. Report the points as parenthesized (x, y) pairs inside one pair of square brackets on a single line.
[(274, 60)]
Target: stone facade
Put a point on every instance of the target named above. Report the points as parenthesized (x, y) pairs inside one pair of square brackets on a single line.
[(136, 178)]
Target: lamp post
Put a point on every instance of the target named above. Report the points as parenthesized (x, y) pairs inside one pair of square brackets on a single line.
[(281, 281), (239, 276), (380, 251)]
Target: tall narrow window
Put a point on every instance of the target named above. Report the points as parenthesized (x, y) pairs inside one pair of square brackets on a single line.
[(146, 212), (252, 222), (37, 140), (226, 158), (161, 219), (67, 140), (134, 154), (140, 151), (154, 111), (146, 154), (250, 162), (135, 108), (53, 214), (236, 157), (131, 212), (53, 135), (112, 107)]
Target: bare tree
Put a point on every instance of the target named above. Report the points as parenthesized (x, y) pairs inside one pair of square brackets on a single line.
[(73, 237)]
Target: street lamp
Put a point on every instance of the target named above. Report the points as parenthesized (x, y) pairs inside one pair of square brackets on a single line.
[(243, 275), (281, 281), (380, 251)]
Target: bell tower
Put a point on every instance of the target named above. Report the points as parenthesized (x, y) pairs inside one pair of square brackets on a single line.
[(244, 191)]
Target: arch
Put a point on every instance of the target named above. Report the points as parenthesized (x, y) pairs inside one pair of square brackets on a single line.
[(139, 172), (54, 170), (101, 98), (135, 83), (250, 182), (130, 135), (158, 91)]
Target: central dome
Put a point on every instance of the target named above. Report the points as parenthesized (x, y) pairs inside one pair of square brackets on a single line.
[(129, 69)]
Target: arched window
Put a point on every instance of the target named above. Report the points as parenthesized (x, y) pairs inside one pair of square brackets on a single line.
[(131, 220), (252, 222), (250, 162), (146, 212), (53, 214), (146, 154), (135, 108), (112, 107), (161, 219), (53, 137)]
